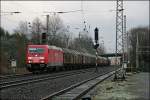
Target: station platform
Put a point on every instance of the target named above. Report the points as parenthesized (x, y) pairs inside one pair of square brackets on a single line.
[(135, 87)]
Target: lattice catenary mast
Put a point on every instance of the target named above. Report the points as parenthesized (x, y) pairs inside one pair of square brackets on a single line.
[(119, 29)]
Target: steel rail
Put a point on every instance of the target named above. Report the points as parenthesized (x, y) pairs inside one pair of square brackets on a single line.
[(13, 76), (49, 97), (38, 79)]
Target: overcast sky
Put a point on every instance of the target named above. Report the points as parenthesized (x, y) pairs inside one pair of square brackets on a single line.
[(95, 13)]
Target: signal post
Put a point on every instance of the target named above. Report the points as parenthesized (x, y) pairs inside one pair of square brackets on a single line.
[(96, 45)]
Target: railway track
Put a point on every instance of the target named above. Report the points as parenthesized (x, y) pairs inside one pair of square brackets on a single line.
[(40, 89), (2, 77), (76, 91), (7, 78), (7, 84)]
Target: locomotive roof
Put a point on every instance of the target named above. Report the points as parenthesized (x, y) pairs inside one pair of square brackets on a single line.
[(36, 45), (77, 52), (70, 51), (50, 47), (55, 48)]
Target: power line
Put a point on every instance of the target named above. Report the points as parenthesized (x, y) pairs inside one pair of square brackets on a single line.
[(83, 17), (9, 13), (60, 12)]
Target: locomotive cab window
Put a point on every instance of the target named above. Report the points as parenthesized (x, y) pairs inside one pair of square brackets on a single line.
[(36, 50)]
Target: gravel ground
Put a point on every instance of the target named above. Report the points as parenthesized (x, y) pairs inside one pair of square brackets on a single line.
[(35, 91), (136, 87)]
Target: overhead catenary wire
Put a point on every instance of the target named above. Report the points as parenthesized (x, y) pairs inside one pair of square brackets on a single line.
[(86, 26)]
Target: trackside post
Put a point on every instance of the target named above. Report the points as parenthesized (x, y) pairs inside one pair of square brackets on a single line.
[(96, 45)]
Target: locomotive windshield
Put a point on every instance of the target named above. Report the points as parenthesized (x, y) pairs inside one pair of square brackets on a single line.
[(36, 50)]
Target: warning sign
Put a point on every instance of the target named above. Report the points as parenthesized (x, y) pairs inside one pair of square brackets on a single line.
[(13, 63)]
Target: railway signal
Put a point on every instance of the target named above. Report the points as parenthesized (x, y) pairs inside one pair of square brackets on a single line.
[(96, 45), (44, 38), (96, 34)]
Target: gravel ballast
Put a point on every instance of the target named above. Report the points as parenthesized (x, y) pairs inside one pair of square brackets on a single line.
[(35, 91)]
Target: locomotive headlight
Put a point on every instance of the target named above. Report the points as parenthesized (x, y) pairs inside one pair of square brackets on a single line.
[(30, 61), (42, 61), (29, 57)]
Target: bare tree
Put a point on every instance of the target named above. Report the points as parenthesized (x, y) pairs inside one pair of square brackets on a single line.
[(142, 34), (83, 43), (101, 49), (55, 24), (58, 34), (22, 28), (36, 30)]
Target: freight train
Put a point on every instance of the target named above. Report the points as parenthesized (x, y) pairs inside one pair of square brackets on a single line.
[(45, 57)]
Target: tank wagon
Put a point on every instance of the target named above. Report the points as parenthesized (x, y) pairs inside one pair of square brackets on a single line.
[(45, 57)]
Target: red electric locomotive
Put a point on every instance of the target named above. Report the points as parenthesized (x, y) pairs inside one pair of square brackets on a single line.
[(42, 57)]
